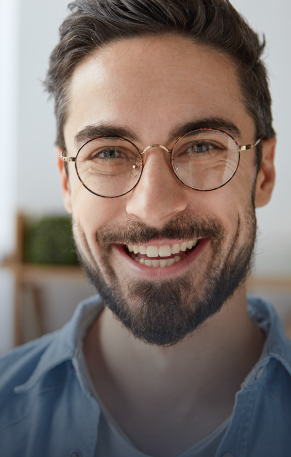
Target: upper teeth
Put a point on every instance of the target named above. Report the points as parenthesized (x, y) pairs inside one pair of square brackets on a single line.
[(162, 251)]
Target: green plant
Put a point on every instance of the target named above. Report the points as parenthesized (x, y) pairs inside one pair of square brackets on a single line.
[(49, 241)]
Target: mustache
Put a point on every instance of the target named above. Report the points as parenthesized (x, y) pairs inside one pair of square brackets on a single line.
[(179, 228)]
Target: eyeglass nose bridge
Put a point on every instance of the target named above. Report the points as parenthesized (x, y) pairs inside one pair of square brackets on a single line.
[(155, 146)]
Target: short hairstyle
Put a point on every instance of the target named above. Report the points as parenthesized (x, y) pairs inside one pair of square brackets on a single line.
[(215, 23)]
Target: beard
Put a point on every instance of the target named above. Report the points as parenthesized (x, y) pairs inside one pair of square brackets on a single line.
[(163, 313)]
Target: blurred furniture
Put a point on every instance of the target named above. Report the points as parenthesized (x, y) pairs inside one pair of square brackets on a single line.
[(29, 281)]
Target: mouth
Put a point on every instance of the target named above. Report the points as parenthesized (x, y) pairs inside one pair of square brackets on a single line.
[(163, 255)]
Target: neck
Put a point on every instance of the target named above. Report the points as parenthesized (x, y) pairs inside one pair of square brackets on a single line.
[(168, 398), (225, 348)]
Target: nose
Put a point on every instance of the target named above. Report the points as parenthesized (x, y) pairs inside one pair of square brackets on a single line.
[(159, 196)]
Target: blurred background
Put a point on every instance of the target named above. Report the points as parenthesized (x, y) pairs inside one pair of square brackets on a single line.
[(36, 299)]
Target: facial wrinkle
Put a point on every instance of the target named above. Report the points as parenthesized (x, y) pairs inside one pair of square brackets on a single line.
[(82, 244)]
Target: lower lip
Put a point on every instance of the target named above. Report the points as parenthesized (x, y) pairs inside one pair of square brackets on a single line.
[(160, 273)]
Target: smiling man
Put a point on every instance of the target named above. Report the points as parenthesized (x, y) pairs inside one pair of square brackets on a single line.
[(159, 251), (165, 148)]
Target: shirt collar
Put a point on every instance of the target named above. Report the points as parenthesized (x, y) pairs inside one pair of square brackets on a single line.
[(277, 345), (67, 342)]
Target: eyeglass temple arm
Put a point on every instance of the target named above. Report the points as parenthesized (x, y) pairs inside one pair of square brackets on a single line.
[(249, 146), (68, 159)]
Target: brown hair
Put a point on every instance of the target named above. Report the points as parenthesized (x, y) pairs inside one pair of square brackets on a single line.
[(215, 23)]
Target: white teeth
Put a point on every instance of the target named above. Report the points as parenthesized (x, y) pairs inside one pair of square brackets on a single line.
[(159, 263), (162, 251), (152, 251), (183, 246), (165, 251), (175, 248), (170, 262)]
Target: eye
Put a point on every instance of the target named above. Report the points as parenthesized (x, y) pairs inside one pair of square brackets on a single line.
[(109, 153), (201, 147)]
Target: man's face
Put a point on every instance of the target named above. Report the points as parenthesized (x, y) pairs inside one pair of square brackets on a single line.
[(152, 87)]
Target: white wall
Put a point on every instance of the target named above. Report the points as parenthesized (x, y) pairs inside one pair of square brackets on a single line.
[(9, 39), (274, 243), (38, 183)]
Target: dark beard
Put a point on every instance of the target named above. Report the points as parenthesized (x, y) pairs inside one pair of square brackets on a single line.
[(164, 313)]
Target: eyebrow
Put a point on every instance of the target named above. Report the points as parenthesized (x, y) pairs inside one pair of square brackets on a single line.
[(104, 129), (212, 122), (92, 131)]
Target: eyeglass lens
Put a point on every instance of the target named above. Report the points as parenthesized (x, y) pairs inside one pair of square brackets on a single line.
[(202, 159)]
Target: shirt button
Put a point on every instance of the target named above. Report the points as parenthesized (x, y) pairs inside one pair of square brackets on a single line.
[(227, 454), (75, 454)]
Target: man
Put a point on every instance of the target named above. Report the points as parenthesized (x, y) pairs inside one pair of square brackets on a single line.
[(164, 109)]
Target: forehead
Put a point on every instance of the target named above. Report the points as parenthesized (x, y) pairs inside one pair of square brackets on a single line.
[(153, 84)]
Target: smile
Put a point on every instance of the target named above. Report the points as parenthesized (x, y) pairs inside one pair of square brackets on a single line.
[(161, 256)]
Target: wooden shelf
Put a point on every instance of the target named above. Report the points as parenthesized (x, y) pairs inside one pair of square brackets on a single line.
[(37, 274), (29, 280)]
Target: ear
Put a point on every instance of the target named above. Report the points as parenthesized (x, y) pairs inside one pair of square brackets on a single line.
[(64, 181), (266, 175)]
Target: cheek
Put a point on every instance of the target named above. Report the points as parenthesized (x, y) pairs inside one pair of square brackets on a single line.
[(232, 204), (93, 212)]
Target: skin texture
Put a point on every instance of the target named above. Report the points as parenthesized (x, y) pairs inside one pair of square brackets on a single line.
[(152, 86)]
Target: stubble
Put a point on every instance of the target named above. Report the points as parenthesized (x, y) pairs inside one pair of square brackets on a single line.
[(163, 313)]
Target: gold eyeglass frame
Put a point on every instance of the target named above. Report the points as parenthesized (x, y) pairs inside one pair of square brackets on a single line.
[(170, 151)]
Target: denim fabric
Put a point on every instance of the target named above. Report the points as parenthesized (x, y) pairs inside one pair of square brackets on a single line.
[(47, 408)]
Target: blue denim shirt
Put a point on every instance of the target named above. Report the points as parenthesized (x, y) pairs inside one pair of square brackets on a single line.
[(48, 410)]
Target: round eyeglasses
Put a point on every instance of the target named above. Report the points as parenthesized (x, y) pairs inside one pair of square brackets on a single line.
[(203, 159)]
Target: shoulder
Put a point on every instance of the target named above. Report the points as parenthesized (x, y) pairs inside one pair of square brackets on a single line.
[(38, 392), (32, 376), (29, 361), (19, 364), (275, 361)]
